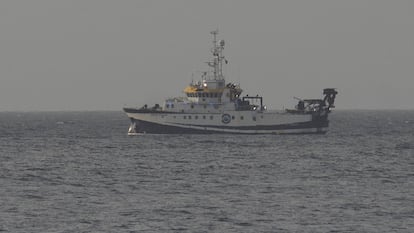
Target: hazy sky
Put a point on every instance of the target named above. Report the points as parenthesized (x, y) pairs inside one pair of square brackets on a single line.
[(104, 54)]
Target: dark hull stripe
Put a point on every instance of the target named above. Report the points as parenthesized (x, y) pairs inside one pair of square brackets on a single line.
[(149, 127), (299, 125)]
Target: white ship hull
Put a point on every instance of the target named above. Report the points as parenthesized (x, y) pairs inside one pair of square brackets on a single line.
[(229, 123)]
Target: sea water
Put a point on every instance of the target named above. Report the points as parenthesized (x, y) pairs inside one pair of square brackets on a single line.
[(80, 172)]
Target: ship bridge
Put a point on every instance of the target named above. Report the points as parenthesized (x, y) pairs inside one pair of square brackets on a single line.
[(213, 88), (212, 92)]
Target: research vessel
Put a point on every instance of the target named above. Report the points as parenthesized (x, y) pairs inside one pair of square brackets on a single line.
[(212, 106)]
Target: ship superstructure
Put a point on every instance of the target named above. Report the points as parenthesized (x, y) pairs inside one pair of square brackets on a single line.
[(213, 106)]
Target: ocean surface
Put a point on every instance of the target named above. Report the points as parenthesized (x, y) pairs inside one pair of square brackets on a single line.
[(80, 172)]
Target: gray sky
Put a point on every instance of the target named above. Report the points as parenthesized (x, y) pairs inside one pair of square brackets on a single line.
[(104, 54)]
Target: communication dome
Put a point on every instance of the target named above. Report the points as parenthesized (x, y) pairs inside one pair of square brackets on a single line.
[(221, 43)]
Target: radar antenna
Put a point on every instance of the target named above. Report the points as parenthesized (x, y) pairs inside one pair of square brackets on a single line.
[(218, 58)]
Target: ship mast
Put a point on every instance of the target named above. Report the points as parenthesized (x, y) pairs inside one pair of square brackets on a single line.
[(218, 58)]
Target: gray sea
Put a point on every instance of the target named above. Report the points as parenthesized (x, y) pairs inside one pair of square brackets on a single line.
[(80, 172)]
